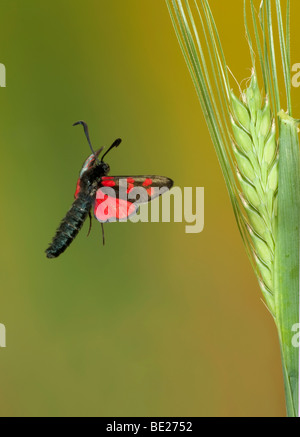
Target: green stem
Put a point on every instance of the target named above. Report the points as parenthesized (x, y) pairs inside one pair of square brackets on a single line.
[(286, 277)]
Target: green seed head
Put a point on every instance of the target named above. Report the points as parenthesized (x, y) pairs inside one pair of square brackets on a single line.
[(265, 272), (253, 97), (273, 177), (262, 248), (240, 112), (266, 121), (255, 150), (244, 164), (249, 190), (241, 137), (270, 147)]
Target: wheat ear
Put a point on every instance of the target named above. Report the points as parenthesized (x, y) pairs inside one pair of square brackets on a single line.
[(256, 153), (265, 188)]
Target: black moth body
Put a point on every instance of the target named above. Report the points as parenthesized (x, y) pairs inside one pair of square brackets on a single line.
[(77, 214)]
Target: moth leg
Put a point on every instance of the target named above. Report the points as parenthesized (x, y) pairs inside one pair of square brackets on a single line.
[(90, 227), (103, 236)]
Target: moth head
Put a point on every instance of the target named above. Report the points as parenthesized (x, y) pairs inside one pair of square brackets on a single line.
[(93, 159)]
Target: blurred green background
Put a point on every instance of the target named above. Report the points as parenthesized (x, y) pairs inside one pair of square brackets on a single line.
[(158, 322)]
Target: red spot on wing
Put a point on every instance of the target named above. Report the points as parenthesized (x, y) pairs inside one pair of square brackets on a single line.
[(107, 178), (147, 182), (130, 180), (107, 183), (108, 208), (77, 189), (130, 186), (150, 191)]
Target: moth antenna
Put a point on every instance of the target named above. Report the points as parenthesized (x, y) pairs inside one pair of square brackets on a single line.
[(114, 144), (86, 131)]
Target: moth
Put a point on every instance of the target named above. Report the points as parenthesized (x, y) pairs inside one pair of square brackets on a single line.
[(110, 197)]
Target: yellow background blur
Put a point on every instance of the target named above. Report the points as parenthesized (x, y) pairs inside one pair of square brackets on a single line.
[(158, 322)]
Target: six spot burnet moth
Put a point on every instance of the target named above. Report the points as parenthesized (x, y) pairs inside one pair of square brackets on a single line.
[(91, 192)]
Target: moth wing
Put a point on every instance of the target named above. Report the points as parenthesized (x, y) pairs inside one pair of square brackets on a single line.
[(119, 197), (109, 208)]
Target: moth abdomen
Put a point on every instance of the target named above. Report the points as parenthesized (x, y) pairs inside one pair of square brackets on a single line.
[(70, 225)]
